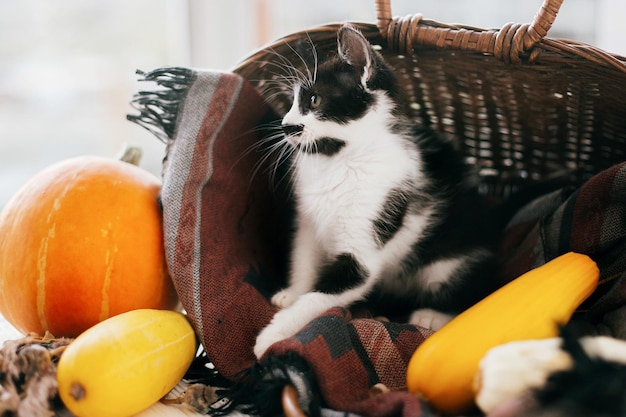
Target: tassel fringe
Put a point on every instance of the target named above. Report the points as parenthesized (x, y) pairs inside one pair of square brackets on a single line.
[(158, 109)]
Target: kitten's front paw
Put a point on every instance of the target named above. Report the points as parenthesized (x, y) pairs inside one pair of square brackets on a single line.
[(268, 336), (430, 319), (289, 321), (284, 298)]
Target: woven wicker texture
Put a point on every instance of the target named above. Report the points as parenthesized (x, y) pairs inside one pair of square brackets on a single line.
[(522, 106)]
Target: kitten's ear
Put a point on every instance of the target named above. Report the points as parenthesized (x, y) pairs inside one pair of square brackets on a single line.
[(356, 50)]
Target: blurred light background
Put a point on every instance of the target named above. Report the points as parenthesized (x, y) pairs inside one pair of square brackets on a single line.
[(67, 67)]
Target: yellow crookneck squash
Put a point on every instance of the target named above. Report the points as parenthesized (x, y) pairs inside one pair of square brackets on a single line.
[(442, 369)]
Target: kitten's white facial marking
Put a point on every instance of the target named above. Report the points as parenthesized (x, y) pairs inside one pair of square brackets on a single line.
[(295, 117)]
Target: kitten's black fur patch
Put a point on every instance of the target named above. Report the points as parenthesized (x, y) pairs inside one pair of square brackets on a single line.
[(391, 216), (592, 387), (343, 273), (324, 146), (342, 97), (292, 130)]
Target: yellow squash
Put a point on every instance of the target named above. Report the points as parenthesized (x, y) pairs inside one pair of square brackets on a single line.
[(442, 369), (126, 363)]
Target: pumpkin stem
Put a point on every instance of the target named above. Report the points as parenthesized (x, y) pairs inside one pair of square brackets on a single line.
[(130, 154)]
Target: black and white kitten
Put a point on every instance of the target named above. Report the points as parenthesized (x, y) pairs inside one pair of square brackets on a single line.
[(385, 211)]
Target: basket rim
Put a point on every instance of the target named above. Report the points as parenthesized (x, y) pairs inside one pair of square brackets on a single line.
[(414, 32)]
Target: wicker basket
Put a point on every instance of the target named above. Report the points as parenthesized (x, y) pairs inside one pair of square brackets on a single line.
[(523, 106)]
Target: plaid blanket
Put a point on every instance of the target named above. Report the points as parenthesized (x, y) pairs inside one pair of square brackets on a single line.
[(227, 228)]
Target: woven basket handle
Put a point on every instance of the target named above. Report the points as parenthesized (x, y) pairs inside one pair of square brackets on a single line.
[(508, 43)]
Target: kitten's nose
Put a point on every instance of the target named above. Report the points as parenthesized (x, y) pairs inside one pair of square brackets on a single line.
[(292, 130)]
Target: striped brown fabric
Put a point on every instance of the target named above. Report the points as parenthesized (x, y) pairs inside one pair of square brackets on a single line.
[(218, 217)]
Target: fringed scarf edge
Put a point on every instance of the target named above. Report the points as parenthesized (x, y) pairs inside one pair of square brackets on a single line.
[(159, 108)]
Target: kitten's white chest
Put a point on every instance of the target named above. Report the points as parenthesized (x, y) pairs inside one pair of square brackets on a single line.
[(341, 195), (334, 200)]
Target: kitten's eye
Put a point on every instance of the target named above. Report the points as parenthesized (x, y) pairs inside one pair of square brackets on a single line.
[(315, 101)]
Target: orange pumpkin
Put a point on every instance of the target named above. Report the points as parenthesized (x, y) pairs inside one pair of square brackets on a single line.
[(80, 242)]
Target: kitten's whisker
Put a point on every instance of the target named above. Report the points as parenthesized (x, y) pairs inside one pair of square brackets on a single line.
[(281, 81), (286, 79), (278, 74), (308, 77), (276, 153), (297, 75), (279, 84), (272, 96), (284, 157), (263, 161), (294, 71), (315, 57), (257, 146)]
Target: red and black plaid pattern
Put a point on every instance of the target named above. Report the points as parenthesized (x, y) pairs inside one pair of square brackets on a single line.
[(225, 229)]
